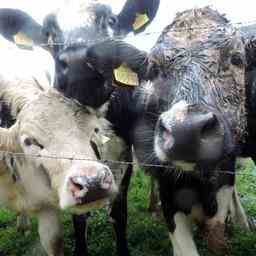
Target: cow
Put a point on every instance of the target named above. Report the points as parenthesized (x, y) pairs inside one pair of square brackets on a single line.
[(189, 119), (67, 34), (46, 166), (199, 116)]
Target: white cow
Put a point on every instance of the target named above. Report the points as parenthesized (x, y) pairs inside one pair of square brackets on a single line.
[(45, 125)]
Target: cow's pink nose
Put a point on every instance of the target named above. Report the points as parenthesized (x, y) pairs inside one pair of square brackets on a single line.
[(89, 188)]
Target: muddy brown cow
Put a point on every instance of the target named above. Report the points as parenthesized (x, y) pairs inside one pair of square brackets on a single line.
[(201, 100)]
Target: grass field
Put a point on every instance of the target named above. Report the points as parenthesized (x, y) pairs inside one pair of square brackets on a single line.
[(147, 236)]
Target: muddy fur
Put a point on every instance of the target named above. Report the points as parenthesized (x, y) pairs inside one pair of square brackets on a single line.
[(198, 65)]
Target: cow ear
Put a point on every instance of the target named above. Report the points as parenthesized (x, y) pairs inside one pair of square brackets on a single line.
[(19, 27), (119, 62), (250, 49), (248, 34), (136, 15)]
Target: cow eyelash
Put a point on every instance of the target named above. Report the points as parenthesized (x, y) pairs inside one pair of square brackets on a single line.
[(32, 141), (112, 20)]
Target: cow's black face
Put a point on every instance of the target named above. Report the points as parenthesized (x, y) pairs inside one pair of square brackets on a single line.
[(87, 25), (78, 79), (73, 31), (204, 116), (190, 133), (70, 32)]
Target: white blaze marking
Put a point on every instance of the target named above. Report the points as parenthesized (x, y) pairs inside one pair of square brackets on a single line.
[(75, 14), (177, 113)]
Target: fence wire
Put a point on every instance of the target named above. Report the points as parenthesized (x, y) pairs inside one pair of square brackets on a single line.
[(235, 25), (110, 161)]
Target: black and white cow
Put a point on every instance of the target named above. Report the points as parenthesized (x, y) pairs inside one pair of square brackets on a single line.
[(72, 34), (71, 31), (195, 113)]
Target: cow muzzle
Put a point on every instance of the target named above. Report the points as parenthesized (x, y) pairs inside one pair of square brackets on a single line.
[(190, 136), (88, 185)]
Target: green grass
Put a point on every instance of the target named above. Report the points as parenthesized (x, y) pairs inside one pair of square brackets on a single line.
[(147, 236)]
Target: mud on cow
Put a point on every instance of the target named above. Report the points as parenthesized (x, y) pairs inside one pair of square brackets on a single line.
[(192, 113), (34, 180), (201, 100)]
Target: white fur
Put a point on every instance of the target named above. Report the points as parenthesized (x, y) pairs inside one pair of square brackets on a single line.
[(224, 199), (75, 14), (177, 112), (182, 239), (237, 211)]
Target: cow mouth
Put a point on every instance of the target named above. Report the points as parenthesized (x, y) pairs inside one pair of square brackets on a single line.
[(89, 193)]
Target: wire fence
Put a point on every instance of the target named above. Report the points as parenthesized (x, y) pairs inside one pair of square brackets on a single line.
[(236, 25), (111, 161)]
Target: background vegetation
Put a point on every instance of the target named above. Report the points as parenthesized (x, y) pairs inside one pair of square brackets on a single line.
[(147, 235)]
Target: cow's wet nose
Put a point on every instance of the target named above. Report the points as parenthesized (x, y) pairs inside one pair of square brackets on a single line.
[(91, 186), (197, 136)]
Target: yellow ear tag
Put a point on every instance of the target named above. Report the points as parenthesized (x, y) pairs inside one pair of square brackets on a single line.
[(104, 139), (124, 75), (140, 21), (23, 41)]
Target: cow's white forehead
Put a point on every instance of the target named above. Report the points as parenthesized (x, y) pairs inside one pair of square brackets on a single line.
[(75, 14)]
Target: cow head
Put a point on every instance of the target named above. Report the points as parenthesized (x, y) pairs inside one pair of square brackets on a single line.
[(197, 88), (203, 119), (71, 31), (53, 138)]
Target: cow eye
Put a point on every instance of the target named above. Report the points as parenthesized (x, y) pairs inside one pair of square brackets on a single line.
[(112, 20), (31, 141), (237, 59)]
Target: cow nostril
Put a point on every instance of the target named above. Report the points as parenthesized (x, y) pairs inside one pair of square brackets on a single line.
[(63, 65), (210, 127), (112, 21), (107, 180), (78, 182), (166, 135)]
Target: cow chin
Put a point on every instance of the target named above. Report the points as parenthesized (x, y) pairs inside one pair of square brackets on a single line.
[(70, 203)]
